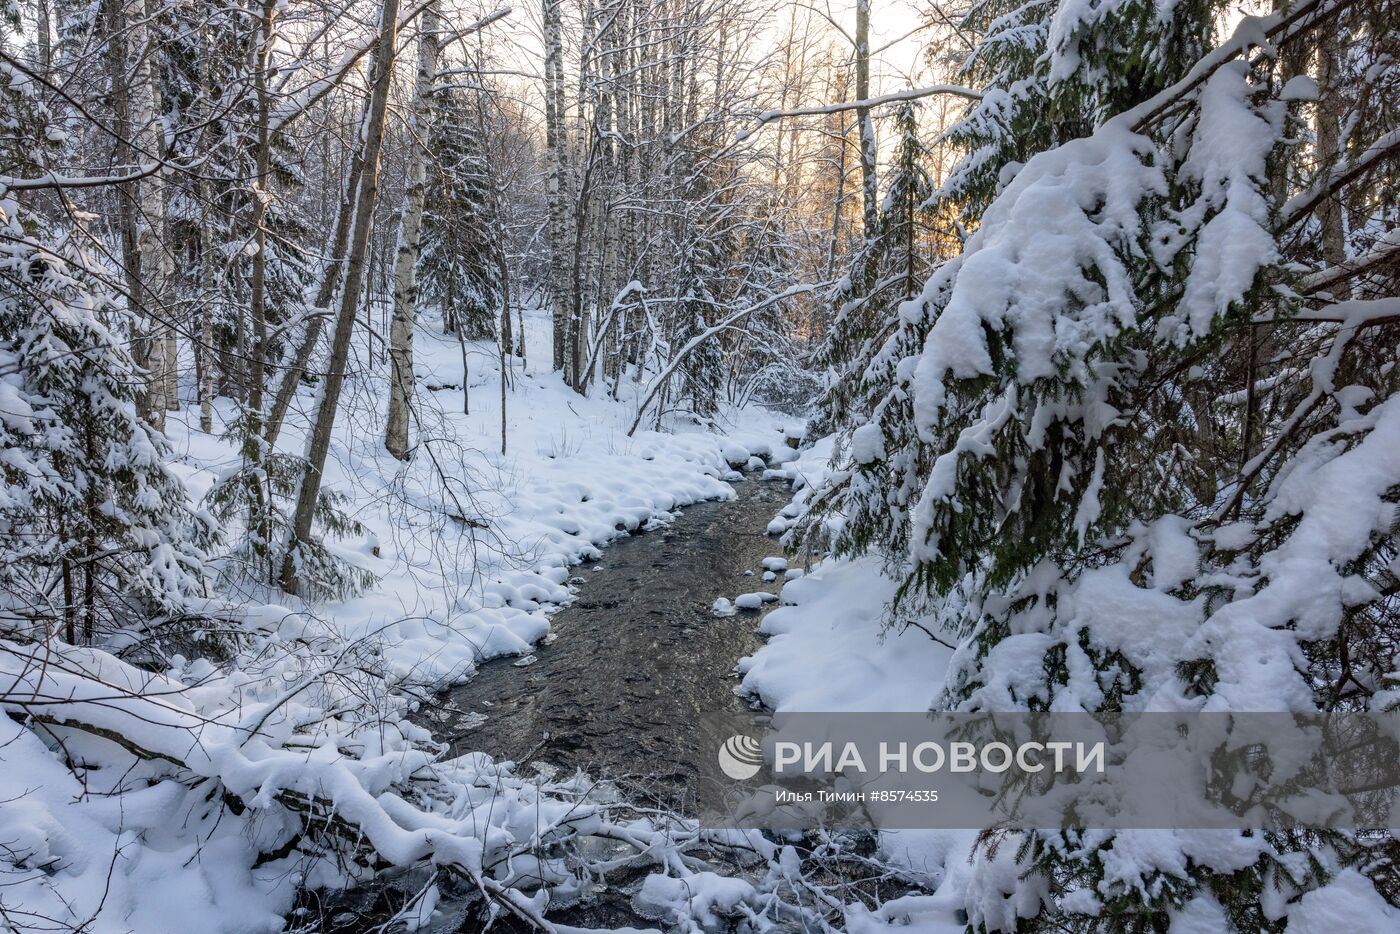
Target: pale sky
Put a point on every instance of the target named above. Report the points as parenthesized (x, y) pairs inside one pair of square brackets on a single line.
[(892, 22)]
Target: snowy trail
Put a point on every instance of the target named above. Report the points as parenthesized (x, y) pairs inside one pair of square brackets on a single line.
[(638, 658)]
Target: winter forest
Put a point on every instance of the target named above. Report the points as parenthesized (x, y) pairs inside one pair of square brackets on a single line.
[(416, 415)]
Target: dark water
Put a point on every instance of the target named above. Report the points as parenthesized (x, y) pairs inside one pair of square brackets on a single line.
[(636, 660)]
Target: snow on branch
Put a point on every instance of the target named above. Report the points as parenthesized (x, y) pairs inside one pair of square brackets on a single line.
[(1252, 32), (1387, 249), (1354, 313), (480, 24), (302, 786), (57, 180), (300, 101), (1303, 204), (708, 333), (909, 94)]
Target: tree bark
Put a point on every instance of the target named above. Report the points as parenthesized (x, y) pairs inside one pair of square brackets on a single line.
[(1331, 109), (318, 444), (869, 206), (253, 449), (410, 236), (839, 198), (43, 29), (157, 266), (330, 280), (504, 269), (207, 357), (114, 34), (148, 263), (561, 295)]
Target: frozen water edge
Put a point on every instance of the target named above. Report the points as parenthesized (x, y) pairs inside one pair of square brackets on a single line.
[(639, 659), (450, 594)]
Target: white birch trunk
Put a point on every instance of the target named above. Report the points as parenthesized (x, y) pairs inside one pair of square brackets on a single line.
[(157, 266), (561, 296), (409, 241)]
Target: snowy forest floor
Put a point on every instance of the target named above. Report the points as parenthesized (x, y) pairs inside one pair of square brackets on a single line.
[(472, 553), (471, 548)]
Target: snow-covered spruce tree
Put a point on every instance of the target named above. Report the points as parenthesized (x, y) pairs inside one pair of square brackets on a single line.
[(212, 218), (262, 289), (97, 534), (1136, 446), (888, 270), (459, 267), (1051, 72), (1048, 73), (701, 383), (257, 558), (702, 375)]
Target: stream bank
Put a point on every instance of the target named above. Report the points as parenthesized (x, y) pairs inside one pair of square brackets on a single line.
[(635, 660), (617, 691)]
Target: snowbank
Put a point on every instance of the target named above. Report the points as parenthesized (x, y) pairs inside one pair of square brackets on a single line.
[(830, 649), (452, 594), (184, 814)]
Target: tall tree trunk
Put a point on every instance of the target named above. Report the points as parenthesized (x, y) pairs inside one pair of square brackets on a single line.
[(123, 155), (869, 207), (504, 269), (507, 327), (43, 30), (586, 139), (253, 442), (330, 280), (149, 267), (170, 370), (610, 123), (1331, 110), (318, 444), (839, 197), (560, 292), (157, 266), (205, 357), (410, 235)]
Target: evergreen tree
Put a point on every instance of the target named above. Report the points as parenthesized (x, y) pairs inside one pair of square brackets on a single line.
[(1051, 72), (702, 374), (210, 64), (1107, 443), (459, 267), (97, 532), (258, 557), (889, 269)]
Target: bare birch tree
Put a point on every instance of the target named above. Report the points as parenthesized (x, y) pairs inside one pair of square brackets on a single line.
[(410, 230)]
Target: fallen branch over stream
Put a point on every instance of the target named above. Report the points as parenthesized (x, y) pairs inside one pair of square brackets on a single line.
[(313, 784)]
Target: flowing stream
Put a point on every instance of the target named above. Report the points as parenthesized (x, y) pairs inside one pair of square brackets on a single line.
[(636, 660), (632, 666)]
